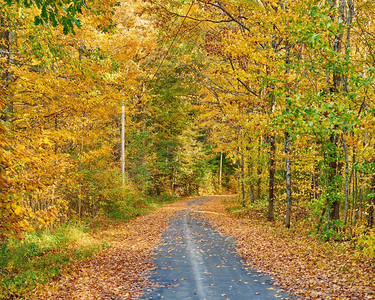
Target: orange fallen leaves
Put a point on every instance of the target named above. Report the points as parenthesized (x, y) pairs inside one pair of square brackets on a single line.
[(305, 267), (301, 265), (121, 271)]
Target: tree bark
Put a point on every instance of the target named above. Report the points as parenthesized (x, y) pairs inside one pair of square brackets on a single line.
[(259, 172), (288, 182), (333, 209), (346, 182), (288, 168), (370, 210), (333, 203), (251, 183), (242, 180), (6, 41), (355, 191), (221, 169), (271, 188)]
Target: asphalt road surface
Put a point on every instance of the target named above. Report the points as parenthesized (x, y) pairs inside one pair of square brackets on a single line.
[(195, 262)]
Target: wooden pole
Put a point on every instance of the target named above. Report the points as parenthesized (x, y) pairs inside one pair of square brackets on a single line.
[(123, 145), (221, 169)]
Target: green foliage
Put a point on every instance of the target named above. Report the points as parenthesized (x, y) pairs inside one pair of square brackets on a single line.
[(133, 206), (140, 158), (332, 232), (366, 241), (167, 150), (56, 12), (40, 257)]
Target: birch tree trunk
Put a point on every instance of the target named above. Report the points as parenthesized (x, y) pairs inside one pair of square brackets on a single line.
[(242, 179), (259, 171), (288, 181)]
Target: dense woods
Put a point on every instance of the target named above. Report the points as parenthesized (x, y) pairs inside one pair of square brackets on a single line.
[(63, 88), (273, 100), (287, 93)]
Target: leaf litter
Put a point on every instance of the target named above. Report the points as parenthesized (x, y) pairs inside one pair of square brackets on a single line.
[(122, 270), (301, 265)]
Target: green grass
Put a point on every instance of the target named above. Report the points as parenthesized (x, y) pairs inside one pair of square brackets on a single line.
[(40, 257), (130, 208)]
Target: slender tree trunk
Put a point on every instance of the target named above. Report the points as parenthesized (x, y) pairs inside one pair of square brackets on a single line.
[(371, 202), (272, 141), (6, 40), (259, 171), (242, 180), (239, 177), (360, 196), (288, 181), (80, 196), (288, 168), (355, 191), (333, 202), (221, 169), (316, 181), (346, 182), (251, 183), (123, 145), (271, 188), (56, 128)]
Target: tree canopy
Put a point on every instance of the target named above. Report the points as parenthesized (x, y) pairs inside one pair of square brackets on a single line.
[(273, 100)]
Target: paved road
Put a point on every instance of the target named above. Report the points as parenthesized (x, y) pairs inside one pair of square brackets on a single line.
[(195, 262)]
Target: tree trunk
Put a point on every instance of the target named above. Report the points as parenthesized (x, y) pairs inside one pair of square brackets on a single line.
[(251, 183), (271, 190), (287, 152), (6, 40), (242, 180), (333, 204), (221, 170), (316, 181), (371, 202), (288, 181), (346, 182), (259, 172), (355, 191)]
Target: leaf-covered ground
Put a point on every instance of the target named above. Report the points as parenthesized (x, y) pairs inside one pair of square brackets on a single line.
[(122, 270), (195, 261), (303, 266)]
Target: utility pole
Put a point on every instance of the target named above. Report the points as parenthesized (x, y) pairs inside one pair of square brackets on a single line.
[(221, 169), (123, 145)]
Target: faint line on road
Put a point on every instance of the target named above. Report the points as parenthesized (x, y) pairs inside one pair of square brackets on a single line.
[(195, 257)]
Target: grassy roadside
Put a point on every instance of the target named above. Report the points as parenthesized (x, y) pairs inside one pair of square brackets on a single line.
[(44, 255), (121, 271)]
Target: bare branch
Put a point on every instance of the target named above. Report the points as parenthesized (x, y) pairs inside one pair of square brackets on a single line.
[(191, 18)]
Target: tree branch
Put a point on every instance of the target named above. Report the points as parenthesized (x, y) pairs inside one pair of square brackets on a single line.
[(191, 18)]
